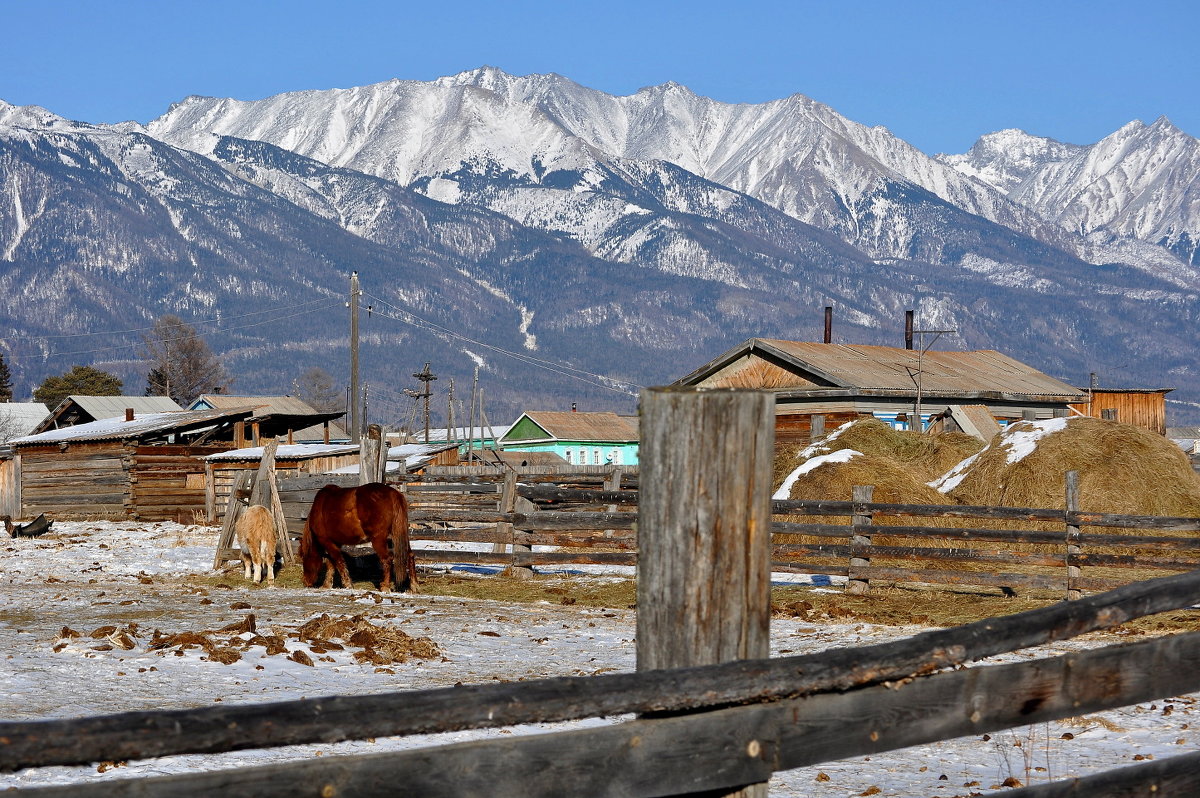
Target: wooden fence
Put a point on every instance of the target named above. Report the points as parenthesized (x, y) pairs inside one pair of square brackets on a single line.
[(745, 719), (711, 728), (589, 517)]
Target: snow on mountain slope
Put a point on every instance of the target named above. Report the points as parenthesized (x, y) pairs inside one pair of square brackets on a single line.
[(794, 153), (482, 137), (1143, 182)]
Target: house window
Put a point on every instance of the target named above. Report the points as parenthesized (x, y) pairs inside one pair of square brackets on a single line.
[(616, 456), (568, 455)]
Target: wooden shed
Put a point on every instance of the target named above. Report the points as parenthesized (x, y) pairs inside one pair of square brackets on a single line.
[(143, 468), (1142, 407), (220, 468), (820, 386)]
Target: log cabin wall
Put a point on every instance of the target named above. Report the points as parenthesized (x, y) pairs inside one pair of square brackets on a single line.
[(796, 429), (167, 482), (76, 481)]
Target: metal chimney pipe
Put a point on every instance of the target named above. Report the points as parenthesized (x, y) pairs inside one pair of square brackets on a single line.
[(908, 329), (828, 324)]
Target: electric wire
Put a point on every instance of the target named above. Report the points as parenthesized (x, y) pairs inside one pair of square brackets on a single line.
[(559, 368), (130, 345), (194, 322)]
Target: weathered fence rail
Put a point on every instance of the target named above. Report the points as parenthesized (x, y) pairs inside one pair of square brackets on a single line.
[(584, 526), (818, 707)]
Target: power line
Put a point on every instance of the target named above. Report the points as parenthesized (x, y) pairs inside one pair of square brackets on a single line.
[(227, 329), (216, 320), (558, 368)]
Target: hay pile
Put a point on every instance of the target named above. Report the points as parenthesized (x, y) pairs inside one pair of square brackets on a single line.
[(898, 464), (1122, 469)]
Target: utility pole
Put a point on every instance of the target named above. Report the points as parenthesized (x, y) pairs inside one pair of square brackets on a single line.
[(426, 376), (451, 435), (917, 424), (355, 417)]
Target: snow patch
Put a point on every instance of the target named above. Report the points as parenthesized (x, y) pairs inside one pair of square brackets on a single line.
[(840, 456)]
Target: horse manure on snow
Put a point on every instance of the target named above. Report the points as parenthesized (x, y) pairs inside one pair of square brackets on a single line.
[(378, 645)]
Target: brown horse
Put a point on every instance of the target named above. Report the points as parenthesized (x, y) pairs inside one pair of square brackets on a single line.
[(370, 513)]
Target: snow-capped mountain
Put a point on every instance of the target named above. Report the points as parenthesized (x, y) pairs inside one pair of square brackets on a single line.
[(633, 237), (1141, 182)]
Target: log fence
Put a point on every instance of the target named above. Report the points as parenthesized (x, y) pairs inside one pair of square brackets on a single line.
[(713, 716), (559, 519)]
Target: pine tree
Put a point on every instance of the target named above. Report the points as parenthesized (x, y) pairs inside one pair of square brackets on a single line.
[(6, 392), (80, 380)]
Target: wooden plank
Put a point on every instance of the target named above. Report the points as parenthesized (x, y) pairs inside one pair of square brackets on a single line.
[(948, 577), (529, 559), (724, 748), (910, 553), (621, 541), (230, 727)]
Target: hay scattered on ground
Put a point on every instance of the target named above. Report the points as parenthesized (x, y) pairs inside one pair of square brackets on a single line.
[(1122, 469)]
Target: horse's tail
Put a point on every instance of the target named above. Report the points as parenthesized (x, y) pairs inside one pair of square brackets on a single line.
[(404, 567)]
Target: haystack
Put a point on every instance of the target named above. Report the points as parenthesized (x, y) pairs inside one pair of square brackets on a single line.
[(1122, 469), (924, 457), (833, 477)]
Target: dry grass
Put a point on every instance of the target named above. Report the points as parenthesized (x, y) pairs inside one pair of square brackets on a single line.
[(1122, 469), (884, 604)]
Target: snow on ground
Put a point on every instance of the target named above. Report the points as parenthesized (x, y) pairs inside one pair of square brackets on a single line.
[(88, 576)]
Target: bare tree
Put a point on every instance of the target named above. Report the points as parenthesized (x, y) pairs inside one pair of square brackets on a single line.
[(317, 388), (181, 364)]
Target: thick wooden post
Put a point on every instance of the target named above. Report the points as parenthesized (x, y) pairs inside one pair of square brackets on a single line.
[(861, 493), (372, 457), (1073, 547), (704, 531)]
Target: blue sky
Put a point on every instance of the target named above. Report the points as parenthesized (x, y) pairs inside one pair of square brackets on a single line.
[(938, 74)]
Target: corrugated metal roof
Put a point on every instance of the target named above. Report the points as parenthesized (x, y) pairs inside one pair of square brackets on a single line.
[(570, 426), (277, 406), (885, 368), (295, 451), (100, 407), (120, 429), (20, 418)]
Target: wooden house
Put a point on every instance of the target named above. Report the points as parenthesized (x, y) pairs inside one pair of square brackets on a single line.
[(579, 438), (141, 467), (1142, 407), (78, 409), (820, 386), (273, 413)]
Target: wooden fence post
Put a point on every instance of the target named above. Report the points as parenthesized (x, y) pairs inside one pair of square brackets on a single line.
[(704, 532), (1073, 547), (372, 456), (861, 493)]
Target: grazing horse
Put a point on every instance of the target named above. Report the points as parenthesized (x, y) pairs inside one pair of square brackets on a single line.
[(371, 513), (255, 529)]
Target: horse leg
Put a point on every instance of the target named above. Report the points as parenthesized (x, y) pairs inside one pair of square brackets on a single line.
[(337, 562), (380, 544)]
